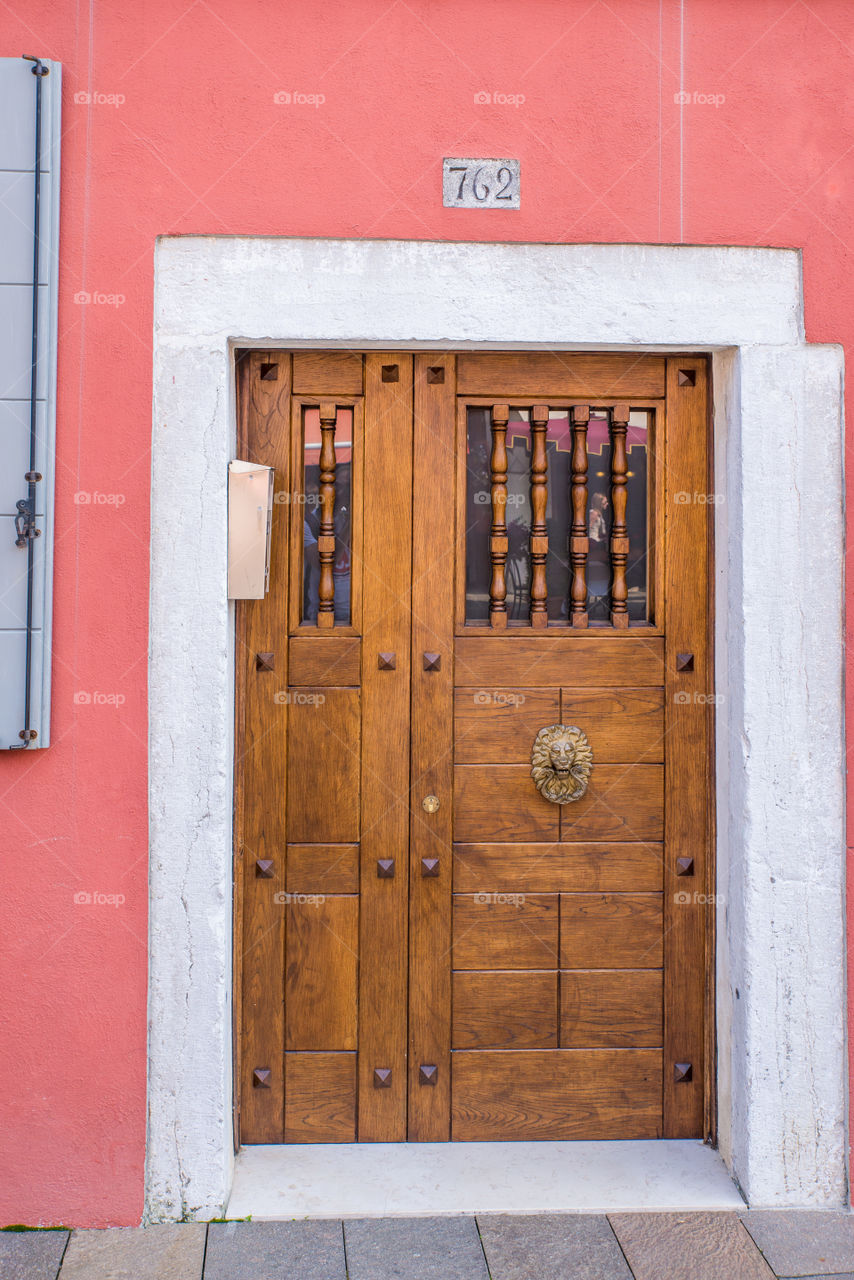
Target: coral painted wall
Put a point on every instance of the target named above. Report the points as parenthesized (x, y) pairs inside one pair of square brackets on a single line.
[(171, 125)]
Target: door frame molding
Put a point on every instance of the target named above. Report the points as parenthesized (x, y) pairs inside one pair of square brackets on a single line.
[(780, 1004)]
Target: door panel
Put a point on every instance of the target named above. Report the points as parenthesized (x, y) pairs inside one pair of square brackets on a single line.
[(627, 725), (335, 662), (515, 1010), (610, 1009), (531, 374), (548, 868), (610, 930), (323, 765), (621, 803), (327, 373), (505, 931), (323, 868), (553, 659), (320, 1097), (322, 968), (498, 802), (497, 726), (471, 549), (557, 1094)]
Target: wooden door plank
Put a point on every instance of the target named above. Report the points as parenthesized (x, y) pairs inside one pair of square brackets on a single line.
[(387, 569), (323, 765), (550, 868), (505, 1010), (521, 375), (689, 906), (486, 661), (623, 725), (505, 931), (500, 802), (320, 1097), (610, 931), (325, 660), (327, 373), (321, 973), (498, 726), (323, 868), (432, 746), (611, 1009), (260, 770), (622, 802), (556, 1094)]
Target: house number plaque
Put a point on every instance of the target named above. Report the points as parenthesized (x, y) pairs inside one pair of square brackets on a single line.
[(480, 184)]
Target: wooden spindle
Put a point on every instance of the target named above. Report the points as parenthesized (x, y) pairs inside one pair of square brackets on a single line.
[(326, 535), (498, 532), (619, 529), (539, 530), (579, 542)]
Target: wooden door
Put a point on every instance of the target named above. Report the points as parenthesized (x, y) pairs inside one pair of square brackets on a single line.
[(473, 825)]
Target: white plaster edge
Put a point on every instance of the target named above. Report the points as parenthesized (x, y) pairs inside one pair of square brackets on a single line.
[(189, 1156), (372, 292), (781, 818), (405, 294)]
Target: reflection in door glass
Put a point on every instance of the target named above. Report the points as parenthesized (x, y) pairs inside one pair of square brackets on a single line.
[(599, 516), (479, 514), (558, 515), (311, 513)]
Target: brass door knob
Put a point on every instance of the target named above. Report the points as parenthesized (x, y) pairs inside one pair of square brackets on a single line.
[(430, 804)]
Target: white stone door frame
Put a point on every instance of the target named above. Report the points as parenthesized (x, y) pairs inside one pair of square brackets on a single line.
[(778, 638)]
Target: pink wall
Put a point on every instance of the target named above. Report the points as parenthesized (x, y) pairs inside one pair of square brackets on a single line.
[(198, 145)]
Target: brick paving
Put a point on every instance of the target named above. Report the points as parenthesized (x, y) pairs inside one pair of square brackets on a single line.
[(754, 1245)]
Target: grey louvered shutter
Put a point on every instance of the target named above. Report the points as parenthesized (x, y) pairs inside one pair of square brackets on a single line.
[(17, 215)]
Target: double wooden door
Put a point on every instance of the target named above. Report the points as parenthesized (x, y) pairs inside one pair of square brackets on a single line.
[(473, 763)]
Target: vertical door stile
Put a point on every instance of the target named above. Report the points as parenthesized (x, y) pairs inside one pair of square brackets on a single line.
[(498, 533), (619, 528), (386, 586), (262, 657), (326, 535), (432, 748), (688, 872), (579, 541), (539, 529)]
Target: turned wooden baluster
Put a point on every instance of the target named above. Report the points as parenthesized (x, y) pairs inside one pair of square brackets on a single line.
[(539, 531), (619, 529), (579, 542), (326, 535), (498, 532)]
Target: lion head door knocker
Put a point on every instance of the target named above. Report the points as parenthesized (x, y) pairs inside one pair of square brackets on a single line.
[(561, 761)]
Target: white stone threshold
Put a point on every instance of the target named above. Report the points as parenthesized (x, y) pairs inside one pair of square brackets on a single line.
[(372, 1180)]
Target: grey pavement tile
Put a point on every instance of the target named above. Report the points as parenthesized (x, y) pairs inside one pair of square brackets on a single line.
[(31, 1255), (551, 1247), (136, 1253), (688, 1246), (414, 1249), (803, 1242), (837, 1275), (298, 1250)]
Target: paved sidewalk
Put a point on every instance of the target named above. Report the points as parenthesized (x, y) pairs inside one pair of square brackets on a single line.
[(762, 1245)]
